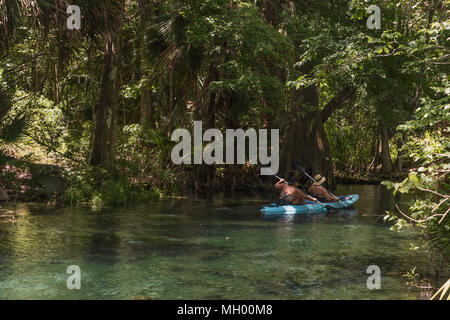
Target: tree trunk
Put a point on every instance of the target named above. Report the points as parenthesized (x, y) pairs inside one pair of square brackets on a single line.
[(400, 156), (232, 171), (3, 195), (146, 114), (307, 141), (386, 163), (34, 73), (103, 144), (314, 153), (271, 10), (60, 48), (206, 172), (205, 109)]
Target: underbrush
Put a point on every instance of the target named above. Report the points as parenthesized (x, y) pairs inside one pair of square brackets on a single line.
[(97, 187)]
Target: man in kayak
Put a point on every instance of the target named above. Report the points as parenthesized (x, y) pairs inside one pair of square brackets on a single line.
[(318, 191), (290, 194)]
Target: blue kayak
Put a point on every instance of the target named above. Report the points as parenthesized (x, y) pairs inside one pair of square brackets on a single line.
[(310, 207)]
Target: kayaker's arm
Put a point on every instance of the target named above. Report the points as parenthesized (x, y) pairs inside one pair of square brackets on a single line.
[(330, 198), (327, 196), (307, 197), (302, 196), (280, 184), (321, 192)]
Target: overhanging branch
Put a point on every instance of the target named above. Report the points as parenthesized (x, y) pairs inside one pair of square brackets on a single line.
[(346, 94)]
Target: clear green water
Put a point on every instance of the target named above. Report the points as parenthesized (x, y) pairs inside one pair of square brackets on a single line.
[(178, 249)]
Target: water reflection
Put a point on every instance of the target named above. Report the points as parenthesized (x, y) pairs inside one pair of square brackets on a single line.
[(311, 217)]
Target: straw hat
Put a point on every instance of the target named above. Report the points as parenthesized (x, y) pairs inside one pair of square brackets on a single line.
[(319, 180)]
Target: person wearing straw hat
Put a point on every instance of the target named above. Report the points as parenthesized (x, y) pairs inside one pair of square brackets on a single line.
[(318, 191)]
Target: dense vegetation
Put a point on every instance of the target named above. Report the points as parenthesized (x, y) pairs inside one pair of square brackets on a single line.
[(86, 115)]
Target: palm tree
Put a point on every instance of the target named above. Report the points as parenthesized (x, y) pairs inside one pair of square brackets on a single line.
[(169, 52), (102, 21), (10, 14), (102, 148), (10, 130)]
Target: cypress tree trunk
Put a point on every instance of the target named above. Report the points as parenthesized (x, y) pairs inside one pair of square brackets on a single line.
[(307, 142), (203, 174), (400, 157), (232, 171), (386, 163), (313, 151)]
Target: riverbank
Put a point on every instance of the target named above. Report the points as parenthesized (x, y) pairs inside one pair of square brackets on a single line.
[(50, 183), (369, 179)]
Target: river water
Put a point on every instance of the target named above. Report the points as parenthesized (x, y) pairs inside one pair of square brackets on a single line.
[(217, 248)]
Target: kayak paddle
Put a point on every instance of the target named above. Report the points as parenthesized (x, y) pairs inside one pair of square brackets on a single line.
[(304, 172), (326, 207)]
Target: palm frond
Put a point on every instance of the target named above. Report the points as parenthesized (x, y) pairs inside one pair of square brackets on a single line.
[(6, 97), (166, 38), (4, 157), (12, 132)]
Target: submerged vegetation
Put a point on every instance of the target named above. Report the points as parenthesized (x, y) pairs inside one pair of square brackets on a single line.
[(86, 115)]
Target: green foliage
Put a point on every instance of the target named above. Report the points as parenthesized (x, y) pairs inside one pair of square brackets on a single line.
[(232, 64), (413, 278), (12, 132), (12, 127), (428, 144), (114, 192), (121, 193), (227, 62), (92, 186), (80, 185), (352, 137)]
